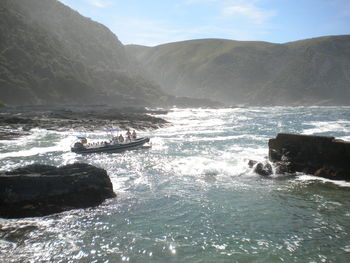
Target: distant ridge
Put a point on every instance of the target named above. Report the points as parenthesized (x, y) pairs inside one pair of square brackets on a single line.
[(306, 72)]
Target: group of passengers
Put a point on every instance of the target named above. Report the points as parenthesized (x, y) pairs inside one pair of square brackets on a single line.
[(129, 136), (94, 144)]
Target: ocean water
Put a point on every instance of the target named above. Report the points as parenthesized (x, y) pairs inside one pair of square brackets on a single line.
[(192, 197)]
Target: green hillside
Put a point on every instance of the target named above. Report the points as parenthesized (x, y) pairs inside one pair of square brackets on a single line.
[(307, 72), (51, 54)]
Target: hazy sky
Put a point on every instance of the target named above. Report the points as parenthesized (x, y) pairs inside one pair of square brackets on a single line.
[(153, 22)]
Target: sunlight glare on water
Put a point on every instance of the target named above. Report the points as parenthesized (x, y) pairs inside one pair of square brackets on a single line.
[(192, 197)]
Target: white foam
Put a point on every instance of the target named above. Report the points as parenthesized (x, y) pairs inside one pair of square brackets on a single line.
[(198, 166), (328, 126), (305, 177), (62, 145)]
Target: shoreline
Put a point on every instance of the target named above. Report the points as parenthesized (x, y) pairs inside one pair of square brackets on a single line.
[(19, 120)]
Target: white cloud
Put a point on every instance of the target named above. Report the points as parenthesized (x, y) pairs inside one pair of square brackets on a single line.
[(248, 10), (99, 3), (66, 2)]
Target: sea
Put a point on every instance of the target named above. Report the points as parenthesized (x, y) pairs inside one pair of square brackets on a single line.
[(192, 197)]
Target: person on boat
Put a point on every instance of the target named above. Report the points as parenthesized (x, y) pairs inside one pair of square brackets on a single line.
[(128, 135), (121, 138), (134, 134)]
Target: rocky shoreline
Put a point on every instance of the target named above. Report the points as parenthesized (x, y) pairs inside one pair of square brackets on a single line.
[(18, 121), (38, 190)]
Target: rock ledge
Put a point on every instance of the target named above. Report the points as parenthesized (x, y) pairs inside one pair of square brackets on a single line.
[(318, 155)]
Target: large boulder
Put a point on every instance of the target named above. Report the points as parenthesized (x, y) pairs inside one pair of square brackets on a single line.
[(38, 190), (319, 155)]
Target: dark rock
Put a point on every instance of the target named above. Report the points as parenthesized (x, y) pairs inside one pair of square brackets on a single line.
[(264, 169), (310, 153), (79, 118), (251, 163), (38, 190), (325, 172), (16, 120), (11, 135), (331, 174), (284, 167)]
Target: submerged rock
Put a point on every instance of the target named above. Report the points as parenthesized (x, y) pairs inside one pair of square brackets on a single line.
[(16, 234), (318, 155), (38, 190)]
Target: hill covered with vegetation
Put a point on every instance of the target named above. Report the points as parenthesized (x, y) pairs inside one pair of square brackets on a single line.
[(51, 54), (308, 72)]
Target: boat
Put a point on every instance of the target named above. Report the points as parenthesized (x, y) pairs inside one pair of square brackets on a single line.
[(82, 146)]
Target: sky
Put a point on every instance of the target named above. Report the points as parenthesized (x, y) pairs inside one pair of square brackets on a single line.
[(155, 22)]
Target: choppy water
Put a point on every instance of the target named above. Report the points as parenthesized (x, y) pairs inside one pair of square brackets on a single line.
[(192, 197)]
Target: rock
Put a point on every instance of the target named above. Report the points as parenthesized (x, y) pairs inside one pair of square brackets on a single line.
[(324, 172), (7, 134), (310, 153), (38, 190), (284, 167), (67, 117), (331, 174), (264, 169), (251, 163)]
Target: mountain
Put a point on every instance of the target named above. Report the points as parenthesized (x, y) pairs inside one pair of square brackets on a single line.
[(51, 54), (307, 72)]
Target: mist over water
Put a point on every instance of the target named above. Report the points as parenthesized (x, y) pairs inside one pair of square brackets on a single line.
[(192, 196)]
